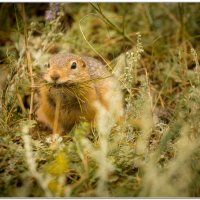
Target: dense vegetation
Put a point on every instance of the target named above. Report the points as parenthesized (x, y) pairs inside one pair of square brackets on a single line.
[(153, 49)]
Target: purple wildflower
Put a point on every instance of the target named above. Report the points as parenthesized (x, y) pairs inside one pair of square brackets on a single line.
[(53, 11)]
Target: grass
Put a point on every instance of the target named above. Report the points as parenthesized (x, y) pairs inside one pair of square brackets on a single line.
[(153, 151)]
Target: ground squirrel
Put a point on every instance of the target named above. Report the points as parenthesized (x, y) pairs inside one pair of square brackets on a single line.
[(71, 86)]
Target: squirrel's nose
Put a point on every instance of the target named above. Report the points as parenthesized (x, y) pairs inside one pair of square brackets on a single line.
[(55, 77)]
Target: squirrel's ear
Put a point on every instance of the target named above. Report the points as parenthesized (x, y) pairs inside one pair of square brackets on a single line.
[(83, 64)]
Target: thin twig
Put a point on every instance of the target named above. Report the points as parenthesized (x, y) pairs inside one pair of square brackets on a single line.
[(114, 26), (29, 62)]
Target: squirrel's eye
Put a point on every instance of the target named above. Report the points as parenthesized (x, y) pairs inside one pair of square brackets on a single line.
[(73, 65)]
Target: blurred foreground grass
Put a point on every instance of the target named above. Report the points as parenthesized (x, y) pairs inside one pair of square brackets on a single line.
[(153, 49)]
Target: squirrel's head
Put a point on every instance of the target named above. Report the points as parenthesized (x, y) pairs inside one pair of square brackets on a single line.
[(66, 68)]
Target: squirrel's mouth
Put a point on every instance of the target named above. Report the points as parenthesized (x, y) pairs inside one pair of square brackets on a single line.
[(60, 85)]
